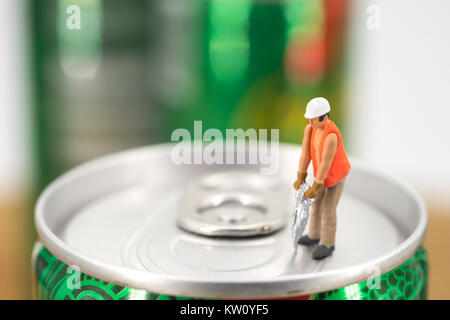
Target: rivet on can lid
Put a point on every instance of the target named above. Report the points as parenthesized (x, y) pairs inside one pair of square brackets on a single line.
[(233, 204)]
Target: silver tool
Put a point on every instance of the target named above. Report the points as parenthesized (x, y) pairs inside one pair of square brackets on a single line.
[(301, 214)]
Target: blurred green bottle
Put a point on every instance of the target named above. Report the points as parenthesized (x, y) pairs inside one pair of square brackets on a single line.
[(112, 75), (250, 64), (92, 80)]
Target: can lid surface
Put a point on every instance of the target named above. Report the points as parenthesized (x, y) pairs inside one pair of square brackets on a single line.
[(118, 219)]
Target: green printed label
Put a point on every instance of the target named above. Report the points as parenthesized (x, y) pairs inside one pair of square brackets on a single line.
[(57, 281), (407, 282)]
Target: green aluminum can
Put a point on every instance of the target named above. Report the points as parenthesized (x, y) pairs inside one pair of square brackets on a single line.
[(115, 228), (55, 280)]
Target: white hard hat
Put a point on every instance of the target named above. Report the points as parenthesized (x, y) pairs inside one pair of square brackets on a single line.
[(317, 107)]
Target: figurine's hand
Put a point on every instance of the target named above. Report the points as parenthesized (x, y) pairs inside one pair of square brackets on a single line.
[(312, 192), (301, 177)]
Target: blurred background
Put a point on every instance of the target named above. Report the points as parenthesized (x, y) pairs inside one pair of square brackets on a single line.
[(127, 73)]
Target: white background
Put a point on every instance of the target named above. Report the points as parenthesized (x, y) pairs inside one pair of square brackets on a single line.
[(15, 124), (399, 92)]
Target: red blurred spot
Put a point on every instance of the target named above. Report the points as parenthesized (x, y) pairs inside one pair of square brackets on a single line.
[(305, 59)]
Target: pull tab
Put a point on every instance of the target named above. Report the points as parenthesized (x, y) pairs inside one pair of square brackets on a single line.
[(233, 204)]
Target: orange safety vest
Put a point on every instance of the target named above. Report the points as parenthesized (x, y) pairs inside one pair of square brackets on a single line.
[(340, 166)]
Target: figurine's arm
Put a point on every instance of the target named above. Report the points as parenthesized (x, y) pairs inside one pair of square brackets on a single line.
[(305, 158), (329, 151)]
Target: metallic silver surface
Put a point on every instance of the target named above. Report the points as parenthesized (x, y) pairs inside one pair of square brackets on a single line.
[(233, 204), (115, 218), (300, 214)]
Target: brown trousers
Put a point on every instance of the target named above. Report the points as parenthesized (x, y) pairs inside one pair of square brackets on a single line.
[(323, 214)]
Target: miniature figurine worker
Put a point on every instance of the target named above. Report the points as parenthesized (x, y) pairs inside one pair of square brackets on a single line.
[(322, 143)]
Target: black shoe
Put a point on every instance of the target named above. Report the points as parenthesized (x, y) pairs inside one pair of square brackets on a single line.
[(307, 241), (322, 252)]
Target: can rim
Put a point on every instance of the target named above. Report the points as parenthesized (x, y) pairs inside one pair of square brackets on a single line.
[(282, 286)]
